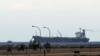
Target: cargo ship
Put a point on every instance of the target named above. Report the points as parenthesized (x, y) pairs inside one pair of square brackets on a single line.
[(80, 37)]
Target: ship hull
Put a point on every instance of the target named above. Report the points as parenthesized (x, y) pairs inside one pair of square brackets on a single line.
[(59, 39)]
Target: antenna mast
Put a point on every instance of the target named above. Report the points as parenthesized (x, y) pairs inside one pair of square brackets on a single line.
[(80, 29)]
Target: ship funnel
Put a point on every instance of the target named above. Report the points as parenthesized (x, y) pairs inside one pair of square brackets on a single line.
[(83, 32)]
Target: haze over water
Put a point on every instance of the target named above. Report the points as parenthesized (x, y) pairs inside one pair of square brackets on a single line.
[(67, 16)]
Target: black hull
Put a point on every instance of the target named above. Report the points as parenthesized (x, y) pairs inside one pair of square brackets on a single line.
[(59, 39)]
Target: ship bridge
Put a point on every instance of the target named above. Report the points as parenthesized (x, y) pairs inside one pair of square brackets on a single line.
[(80, 34)]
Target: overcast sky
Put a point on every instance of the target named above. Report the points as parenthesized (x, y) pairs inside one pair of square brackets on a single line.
[(67, 16)]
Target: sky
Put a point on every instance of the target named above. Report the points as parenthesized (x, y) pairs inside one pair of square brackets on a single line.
[(66, 16)]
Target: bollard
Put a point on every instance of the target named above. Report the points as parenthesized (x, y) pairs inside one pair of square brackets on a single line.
[(7, 53), (44, 53)]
